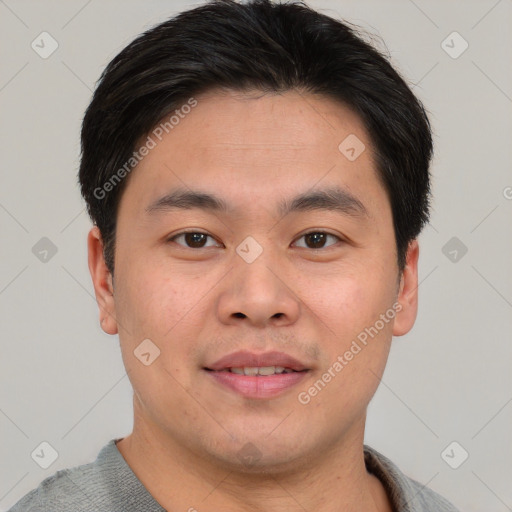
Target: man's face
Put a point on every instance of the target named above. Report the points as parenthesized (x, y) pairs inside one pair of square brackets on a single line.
[(305, 282)]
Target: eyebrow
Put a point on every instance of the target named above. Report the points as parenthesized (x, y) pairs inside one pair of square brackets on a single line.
[(330, 199)]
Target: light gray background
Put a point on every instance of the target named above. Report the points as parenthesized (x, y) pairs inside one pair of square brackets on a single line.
[(62, 378)]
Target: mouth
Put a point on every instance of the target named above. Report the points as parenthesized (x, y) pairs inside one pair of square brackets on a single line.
[(258, 376), (255, 371)]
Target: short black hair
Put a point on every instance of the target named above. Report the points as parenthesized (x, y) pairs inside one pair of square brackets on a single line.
[(256, 45)]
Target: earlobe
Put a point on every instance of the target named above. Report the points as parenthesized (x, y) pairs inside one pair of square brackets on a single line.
[(408, 293), (102, 281)]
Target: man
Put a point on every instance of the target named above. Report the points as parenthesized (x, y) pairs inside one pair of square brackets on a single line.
[(257, 176)]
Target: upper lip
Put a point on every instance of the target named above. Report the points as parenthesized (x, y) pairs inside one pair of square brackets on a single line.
[(245, 358)]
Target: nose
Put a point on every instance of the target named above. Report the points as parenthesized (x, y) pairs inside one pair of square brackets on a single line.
[(258, 294)]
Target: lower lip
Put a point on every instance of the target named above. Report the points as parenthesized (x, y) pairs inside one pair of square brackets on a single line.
[(264, 386)]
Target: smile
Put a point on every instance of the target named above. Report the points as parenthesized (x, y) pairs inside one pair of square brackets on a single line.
[(261, 370), (258, 382)]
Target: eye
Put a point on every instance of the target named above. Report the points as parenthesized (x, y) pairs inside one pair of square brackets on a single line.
[(198, 240), (192, 239), (317, 239)]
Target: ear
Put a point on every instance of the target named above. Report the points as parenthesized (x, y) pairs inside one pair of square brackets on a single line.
[(408, 292), (102, 281)]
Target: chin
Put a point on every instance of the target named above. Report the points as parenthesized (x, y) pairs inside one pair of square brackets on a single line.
[(260, 453)]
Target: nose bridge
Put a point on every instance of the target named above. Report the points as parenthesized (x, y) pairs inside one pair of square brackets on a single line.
[(256, 270), (259, 276), (255, 292)]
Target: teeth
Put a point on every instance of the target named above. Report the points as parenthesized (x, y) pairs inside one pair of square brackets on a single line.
[(267, 370), (262, 370)]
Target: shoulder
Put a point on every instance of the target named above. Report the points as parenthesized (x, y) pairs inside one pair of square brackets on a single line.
[(89, 487), (65, 490), (406, 494), (429, 500)]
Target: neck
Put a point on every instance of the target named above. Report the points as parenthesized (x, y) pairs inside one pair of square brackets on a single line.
[(180, 479)]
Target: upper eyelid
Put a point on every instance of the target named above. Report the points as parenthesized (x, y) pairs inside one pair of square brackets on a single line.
[(340, 239), (171, 238)]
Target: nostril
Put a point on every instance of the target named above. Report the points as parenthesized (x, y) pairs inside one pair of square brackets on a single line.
[(239, 315)]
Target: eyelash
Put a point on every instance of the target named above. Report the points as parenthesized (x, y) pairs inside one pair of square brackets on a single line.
[(173, 238)]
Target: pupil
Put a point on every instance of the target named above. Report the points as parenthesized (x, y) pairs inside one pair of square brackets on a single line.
[(316, 239), (195, 239)]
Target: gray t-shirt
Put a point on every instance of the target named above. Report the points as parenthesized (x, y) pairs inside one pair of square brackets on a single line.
[(109, 485)]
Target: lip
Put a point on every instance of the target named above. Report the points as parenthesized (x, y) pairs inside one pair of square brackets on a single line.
[(244, 358), (262, 386)]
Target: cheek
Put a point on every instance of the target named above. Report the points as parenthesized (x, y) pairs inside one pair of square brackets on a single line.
[(356, 347), (164, 310), (349, 303), (153, 302), (170, 310), (352, 333)]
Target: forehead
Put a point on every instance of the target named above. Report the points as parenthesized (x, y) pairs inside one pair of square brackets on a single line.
[(279, 122), (250, 143)]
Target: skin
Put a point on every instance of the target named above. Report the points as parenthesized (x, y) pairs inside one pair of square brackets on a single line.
[(199, 304)]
